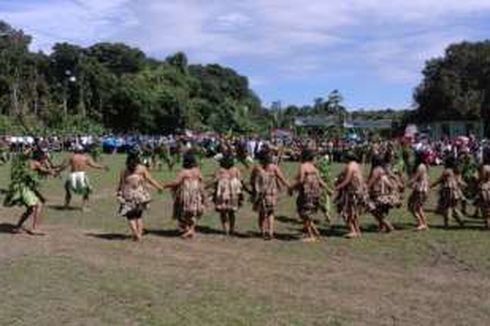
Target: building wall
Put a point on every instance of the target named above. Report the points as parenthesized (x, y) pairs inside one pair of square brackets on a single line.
[(440, 129)]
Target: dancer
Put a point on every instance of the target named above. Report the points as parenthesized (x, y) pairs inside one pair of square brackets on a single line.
[(189, 197), (419, 183), (309, 185), (133, 194), (352, 194), (78, 181), (27, 168), (324, 167), (469, 171), (266, 180), (228, 192), (450, 193), (382, 192), (483, 197)]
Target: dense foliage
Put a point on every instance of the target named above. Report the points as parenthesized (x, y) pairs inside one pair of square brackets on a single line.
[(456, 86), (115, 86)]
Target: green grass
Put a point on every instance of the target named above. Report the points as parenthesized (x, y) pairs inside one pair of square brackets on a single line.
[(86, 272)]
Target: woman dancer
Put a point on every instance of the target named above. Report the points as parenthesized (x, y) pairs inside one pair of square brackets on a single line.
[(382, 194), (352, 194), (309, 185), (450, 193), (419, 183), (133, 194), (228, 195), (265, 180), (189, 197)]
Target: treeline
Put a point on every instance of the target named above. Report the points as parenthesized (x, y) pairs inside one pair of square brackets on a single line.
[(112, 86), (456, 86), (332, 105), (117, 87)]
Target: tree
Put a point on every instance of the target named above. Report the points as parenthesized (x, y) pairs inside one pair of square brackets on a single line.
[(456, 86)]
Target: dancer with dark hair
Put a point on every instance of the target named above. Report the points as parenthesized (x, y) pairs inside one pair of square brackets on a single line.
[(78, 181), (382, 193), (483, 194), (419, 182), (352, 198), (27, 169), (450, 193), (228, 192), (309, 185), (189, 196), (266, 180), (133, 194)]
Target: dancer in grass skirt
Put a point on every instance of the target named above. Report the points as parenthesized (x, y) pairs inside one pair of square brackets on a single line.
[(383, 194), (266, 181), (353, 197), (483, 194), (26, 171), (133, 194), (450, 193), (228, 192), (310, 187), (189, 196)]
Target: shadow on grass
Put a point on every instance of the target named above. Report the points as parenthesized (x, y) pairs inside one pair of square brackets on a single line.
[(459, 228), (286, 220), (109, 236), (173, 233), (277, 236), (7, 228), (63, 208)]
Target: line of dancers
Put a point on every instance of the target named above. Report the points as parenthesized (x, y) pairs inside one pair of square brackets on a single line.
[(315, 189)]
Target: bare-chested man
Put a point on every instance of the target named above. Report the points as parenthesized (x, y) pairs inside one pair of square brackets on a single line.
[(78, 181), (27, 169)]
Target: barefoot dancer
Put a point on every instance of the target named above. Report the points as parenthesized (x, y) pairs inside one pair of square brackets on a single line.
[(228, 196), (483, 199), (78, 181), (133, 194), (353, 195), (450, 194), (419, 183), (24, 187), (265, 181), (189, 196), (324, 167), (310, 185), (382, 194)]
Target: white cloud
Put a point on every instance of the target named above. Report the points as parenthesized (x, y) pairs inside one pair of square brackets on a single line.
[(297, 38)]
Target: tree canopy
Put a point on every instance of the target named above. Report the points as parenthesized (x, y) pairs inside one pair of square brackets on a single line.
[(456, 86), (119, 88)]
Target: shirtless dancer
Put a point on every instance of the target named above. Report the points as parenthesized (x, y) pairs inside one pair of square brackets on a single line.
[(78, 181)]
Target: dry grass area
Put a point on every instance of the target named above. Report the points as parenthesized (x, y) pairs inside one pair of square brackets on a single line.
[(86, 271)]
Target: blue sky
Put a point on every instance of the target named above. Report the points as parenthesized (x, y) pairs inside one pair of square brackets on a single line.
[(293, 51)]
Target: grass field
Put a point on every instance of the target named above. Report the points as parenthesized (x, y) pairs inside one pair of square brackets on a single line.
[(86, 271)]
